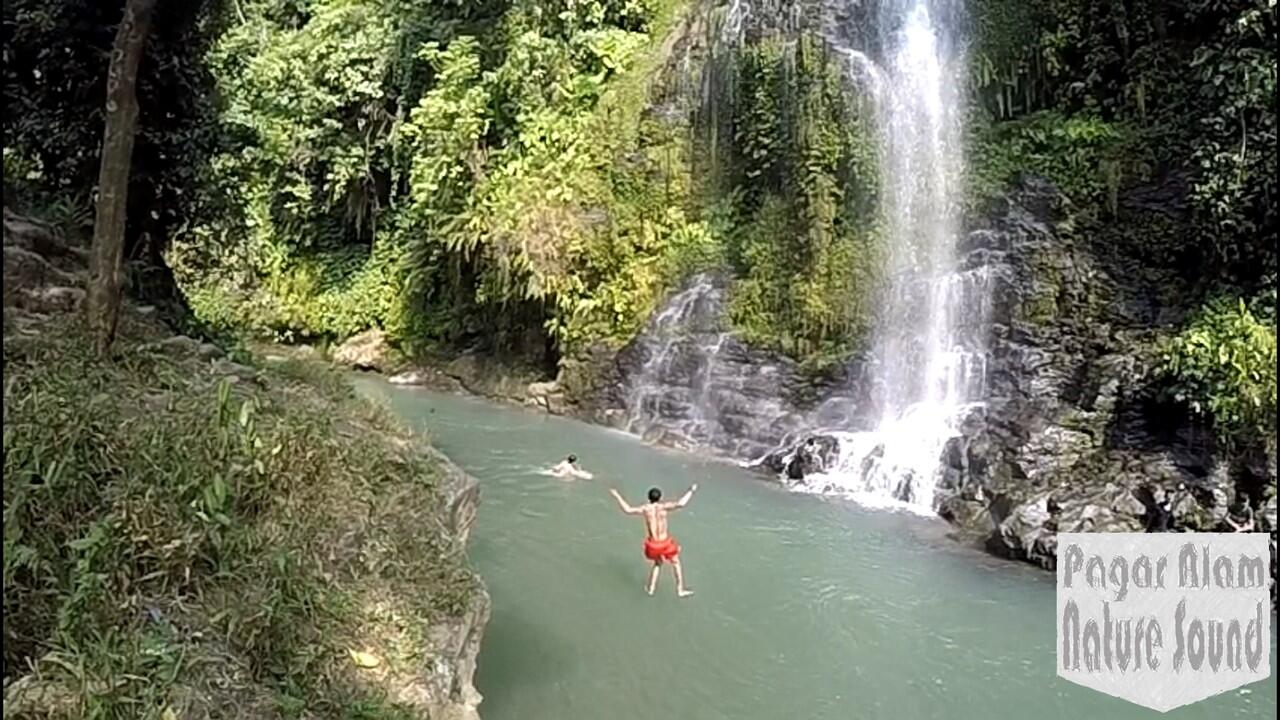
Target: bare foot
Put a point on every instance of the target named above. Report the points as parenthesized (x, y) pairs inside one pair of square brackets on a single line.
[(683, 593), (649, 590)]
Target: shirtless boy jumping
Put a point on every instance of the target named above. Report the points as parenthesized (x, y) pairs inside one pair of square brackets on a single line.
[(659, 547)]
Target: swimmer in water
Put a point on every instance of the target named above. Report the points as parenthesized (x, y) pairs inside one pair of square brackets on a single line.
[(568, 468), (659, 546)]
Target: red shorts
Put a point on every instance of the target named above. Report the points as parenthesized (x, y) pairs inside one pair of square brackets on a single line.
[(661, 550)]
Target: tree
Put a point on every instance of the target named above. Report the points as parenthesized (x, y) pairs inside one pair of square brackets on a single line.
[(120, 127)]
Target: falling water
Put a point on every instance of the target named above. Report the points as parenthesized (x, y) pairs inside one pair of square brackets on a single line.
[(928, 361), (672, 358), (929, 345)]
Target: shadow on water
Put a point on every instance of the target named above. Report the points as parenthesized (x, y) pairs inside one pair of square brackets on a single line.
[(541, 659), (625, 574)]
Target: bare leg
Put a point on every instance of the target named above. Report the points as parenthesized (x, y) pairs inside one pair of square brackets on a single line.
[(681, 591), (653, 578)]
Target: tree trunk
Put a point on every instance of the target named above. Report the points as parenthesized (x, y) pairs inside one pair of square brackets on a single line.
[(105, 271)]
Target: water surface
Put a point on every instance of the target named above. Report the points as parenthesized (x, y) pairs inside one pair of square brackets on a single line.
[(806, 607)]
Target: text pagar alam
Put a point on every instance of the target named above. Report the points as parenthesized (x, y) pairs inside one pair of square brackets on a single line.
[(1104, 637)]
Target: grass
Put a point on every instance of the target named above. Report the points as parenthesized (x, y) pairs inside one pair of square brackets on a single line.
[(184, 541)]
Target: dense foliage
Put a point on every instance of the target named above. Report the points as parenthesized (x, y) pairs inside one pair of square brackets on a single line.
[(496, 174), (802, 173), (1224, 366), (515, 176), (54, 85), (454, 173), (1176, 99), (1161, 87)]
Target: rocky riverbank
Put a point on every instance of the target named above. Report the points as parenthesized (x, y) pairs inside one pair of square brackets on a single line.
[(473, 373)]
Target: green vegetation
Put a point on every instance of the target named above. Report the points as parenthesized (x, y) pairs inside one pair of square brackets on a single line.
[(513, 175), (529, 179), (451, 174), (1109, 95), (55, 91), (1085, 156), (802, 171), (526, 178), (175, 542), (1102, 97), (1223, 365)]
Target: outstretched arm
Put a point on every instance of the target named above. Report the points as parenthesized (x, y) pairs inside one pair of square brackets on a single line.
[(626, 508), (684, 499)]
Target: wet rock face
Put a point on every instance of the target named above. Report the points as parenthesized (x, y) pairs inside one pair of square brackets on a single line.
[(1074, 437), (810, 456), (686, 382)]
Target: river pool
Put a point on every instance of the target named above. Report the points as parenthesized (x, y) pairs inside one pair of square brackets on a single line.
[(805, 607)]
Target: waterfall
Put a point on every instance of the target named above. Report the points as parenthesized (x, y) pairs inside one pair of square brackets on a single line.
[(690, 383), (929, 354)]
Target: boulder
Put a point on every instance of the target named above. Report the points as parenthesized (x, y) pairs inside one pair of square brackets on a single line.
[(426, 376), (409, 377), (558, 404), (811, 455), (368, 350), (50, 299), (45, 241), (548, 396), (537, 394), (189, 346), (25, 270), (1026, 533)]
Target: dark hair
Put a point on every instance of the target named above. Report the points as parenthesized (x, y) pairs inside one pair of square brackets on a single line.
[(573, 458), (655, 494)]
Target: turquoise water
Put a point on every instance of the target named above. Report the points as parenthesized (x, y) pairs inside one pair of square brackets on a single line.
[(805, 607)]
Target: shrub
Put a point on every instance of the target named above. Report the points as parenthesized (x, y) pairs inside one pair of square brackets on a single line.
[(1223, 365)]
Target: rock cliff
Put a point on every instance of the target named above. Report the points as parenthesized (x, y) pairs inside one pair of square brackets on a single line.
[(1072, 435), (688, 382)]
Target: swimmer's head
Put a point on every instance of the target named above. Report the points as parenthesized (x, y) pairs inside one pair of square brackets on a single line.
[(655, 494), (572, 458)]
